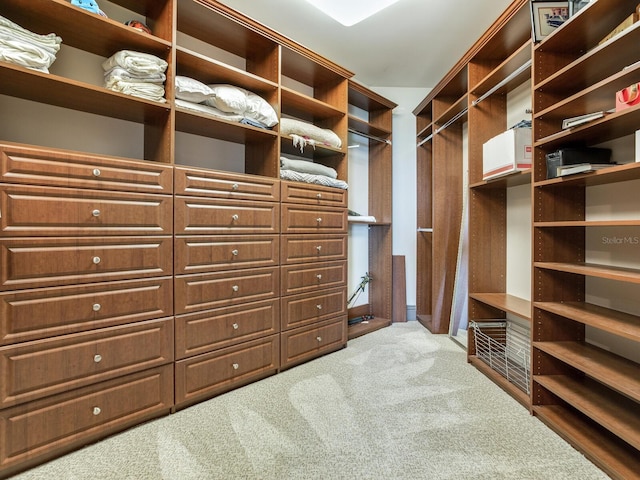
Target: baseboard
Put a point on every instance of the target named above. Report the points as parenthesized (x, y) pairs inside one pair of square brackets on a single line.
[(411, 312)]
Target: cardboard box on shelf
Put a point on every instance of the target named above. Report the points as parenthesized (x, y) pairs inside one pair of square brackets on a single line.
[(507, 153)]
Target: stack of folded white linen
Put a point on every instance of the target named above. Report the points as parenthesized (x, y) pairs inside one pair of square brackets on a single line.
[(137, 74), (27, 49), (309, 172)]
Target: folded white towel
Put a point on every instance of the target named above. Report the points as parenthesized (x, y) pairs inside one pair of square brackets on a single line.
[(149, 91), (50, 42), (137, 63), (119, 73), (26, 55)]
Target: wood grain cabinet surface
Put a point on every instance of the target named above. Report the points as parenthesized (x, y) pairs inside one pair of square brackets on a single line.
[(314, 307), (312, 219), (310, 194), (312, 248), (301, 344), (212, 373)]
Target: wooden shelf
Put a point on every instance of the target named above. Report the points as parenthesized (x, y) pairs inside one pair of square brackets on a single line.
[(359, 329), (614, 174), (514, 62), (617, 414), (365, 127), (606, 319), (301, 106), (507, 303), (515, 179), (611, 370), (612, 455), (592, 270)]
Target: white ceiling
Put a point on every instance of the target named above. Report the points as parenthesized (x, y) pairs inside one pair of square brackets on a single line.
[(412, 43)]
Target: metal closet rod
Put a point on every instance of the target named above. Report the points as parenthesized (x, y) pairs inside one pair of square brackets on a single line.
[(502, 83), (499, 85), (372, 137), (454, 119)]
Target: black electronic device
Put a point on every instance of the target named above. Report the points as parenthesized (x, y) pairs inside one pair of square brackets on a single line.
[(573, 156)]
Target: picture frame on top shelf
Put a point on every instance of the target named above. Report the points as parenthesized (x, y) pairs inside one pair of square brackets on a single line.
[(576, 5), (546, 17)]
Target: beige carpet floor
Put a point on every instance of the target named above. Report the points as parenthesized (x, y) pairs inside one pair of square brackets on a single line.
[(398, 403)]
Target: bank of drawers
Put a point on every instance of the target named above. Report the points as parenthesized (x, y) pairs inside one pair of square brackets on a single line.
[(313, 272), (86, 298), (227, 281)]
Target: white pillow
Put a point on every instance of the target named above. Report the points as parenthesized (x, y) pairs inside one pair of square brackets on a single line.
[(258, 109), (307, 130), (228, 98), (192, 90)]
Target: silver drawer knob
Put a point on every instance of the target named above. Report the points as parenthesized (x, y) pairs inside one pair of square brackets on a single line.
[(234, 253), (319, 220), (235, 326), (97, 358), (319, 248), (319, 339), (97, 411), (236, 366), (235, 217), (319, 276), (96, 213), (96, 307), (96, 260), (235, 187), (318, 195), (235, 288), (319, 307), (96, 172)]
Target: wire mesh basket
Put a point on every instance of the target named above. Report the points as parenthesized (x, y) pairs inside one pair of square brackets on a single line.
[(506, 348)]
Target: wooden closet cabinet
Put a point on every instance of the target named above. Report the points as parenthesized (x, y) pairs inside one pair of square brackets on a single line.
[(86, 299), (227, 281), (313, 272), (145, 246), (586, 321)]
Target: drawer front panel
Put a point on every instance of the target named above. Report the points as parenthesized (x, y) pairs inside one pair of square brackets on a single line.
[(296, 192), (308, 248), (47, 167), (46, 428), (305, 343), (310, 277), (303, 219), (211, 330), (42, 211), (45, 367), (314, 307), (33, 314), (211, 217), (198, 254), (210, 374), (210, 183), (36, 262), (207, 291)]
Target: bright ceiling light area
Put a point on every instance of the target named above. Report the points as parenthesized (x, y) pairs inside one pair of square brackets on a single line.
[(350, 12)]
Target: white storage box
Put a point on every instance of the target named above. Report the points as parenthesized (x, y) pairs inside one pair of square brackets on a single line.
[(509, 152)]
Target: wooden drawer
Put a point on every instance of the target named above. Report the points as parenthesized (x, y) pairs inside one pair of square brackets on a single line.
[(41, 430), (204, 216), (211, 330), (40, 368), (45, 211), (44, 262), (313, 307), (198, 254), (296, 192), (214, 183), (212, 290), (58, 168), (312, 248), (46, 312), (308, 219), (311, 277), (207, 375), (305, 343)]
